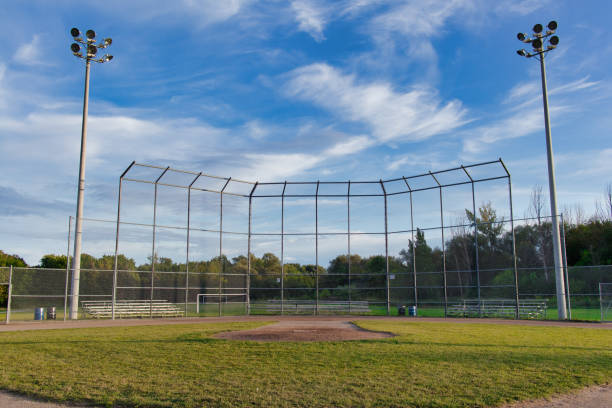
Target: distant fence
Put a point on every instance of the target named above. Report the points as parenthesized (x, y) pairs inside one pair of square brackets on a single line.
[(32, 288)]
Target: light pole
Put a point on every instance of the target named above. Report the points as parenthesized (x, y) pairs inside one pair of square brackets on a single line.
[(89, 55), (543, 42)]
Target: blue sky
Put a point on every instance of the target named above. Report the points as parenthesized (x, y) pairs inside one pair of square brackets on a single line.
[(298, 90)]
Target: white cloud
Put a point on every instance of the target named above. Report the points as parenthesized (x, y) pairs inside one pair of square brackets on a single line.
[(278, 166), (210, 11), (29, 54), (517, 125), (310, 16), (351, 146), (275, 167), (419, 18), (414, 115)]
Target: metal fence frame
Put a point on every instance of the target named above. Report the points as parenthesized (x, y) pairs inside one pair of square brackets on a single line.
[(469, 180)]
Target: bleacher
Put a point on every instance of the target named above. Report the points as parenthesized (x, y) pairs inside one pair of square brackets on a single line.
[(309, 307), (501, 308), (131, 308)]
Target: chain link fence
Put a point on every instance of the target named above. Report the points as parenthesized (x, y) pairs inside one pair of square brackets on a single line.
[(212, 294)]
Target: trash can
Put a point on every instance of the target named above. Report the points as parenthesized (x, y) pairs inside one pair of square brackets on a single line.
[(51, 313), (401, 311), (412, 311), (39, 313)]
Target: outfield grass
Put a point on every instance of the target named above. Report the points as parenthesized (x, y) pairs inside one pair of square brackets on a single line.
[(427, 365)]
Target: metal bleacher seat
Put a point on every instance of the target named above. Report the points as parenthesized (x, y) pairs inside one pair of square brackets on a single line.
[(131, 308)]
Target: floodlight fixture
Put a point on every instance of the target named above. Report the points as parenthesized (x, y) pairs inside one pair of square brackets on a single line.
[(521, 36), (537, 44), (91, 49), (543, 43)]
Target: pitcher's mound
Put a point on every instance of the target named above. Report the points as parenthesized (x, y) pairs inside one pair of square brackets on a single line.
[(291, 330)]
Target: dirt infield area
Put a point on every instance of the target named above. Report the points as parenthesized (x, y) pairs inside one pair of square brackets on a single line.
[(305, 330), (77, 324)]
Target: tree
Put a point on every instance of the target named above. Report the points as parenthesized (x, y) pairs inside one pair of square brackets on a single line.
[(7, 260), (11, 260), (603, 209), (51, 261)]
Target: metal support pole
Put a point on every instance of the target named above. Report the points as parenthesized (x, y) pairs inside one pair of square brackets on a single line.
[(67, 268), (560, 285), (221, 259), (76, 272), (115, 268), (516, 285), (10, 294), (567, 283), (187, 248), (283, 249), (116, 264), (600, 302), (248, 277), (153, 255), (317, 247), (348, 227), (443, 247), (476, 254), (413, 245), (388, 295), (153, 243)]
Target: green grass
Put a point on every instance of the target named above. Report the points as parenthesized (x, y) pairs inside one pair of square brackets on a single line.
[(427, 365)]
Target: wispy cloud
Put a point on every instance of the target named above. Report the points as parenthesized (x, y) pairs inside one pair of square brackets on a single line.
[(392, 116), (311, 17), (30, 53)]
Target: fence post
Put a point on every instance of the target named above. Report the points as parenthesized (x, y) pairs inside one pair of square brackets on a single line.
[(348, 237), (600, 302), (317, 248), (282, 282), (413, 244), (476, 261), (387, 286), (10, 293), (564, 257), (443, 246), (517, 310), (67, 267)]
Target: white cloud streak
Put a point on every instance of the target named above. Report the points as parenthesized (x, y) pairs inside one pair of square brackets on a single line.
[(310, 16), (29, 54), (392, 116)]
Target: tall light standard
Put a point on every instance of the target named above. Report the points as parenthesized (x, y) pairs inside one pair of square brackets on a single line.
[(543, 42), (89, 55)]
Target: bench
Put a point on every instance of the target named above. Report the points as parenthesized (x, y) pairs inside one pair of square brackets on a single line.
[(131, 308), (504, 308)]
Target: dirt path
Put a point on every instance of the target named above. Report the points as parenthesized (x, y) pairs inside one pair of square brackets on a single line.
[(44, 325), (591, 397), (8, 400)]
